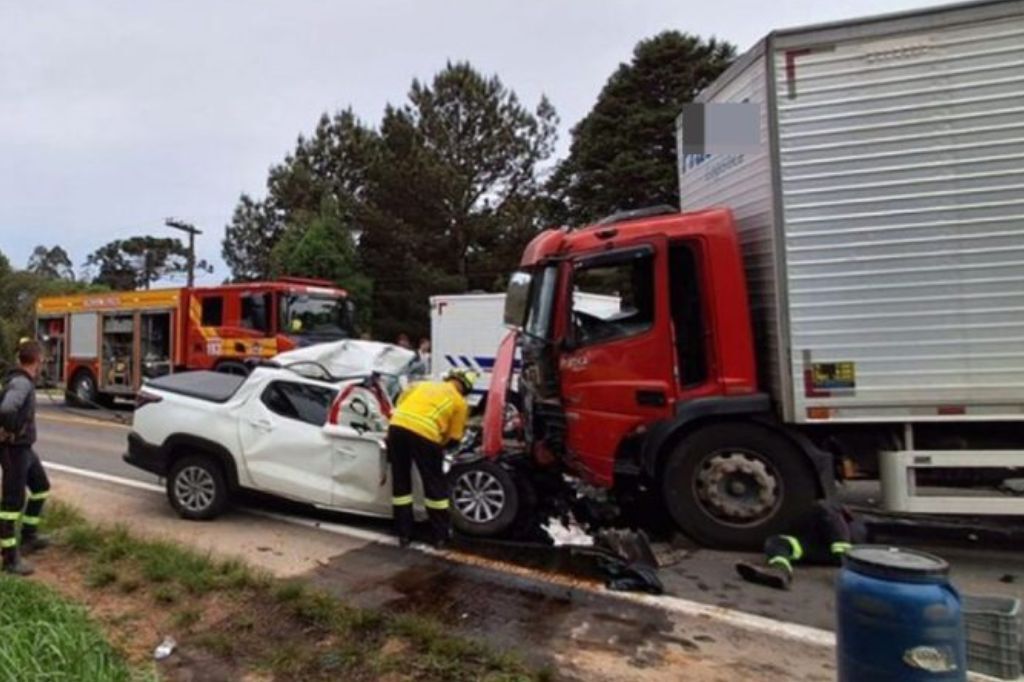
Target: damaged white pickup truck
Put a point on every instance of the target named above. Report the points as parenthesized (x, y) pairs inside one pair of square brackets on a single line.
[(309, 427)]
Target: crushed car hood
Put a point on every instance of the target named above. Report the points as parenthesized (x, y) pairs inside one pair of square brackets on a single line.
[(353, 357)]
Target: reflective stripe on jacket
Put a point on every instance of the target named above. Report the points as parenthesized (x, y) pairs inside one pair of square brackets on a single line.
[(434, 410)]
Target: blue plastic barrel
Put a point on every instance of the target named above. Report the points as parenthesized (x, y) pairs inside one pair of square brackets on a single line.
[(898, 618)]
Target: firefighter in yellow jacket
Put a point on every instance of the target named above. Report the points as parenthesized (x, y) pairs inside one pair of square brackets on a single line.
[(429, 416)]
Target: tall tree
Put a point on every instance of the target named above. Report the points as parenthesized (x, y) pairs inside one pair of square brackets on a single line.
[(138, 262), (321, 245), (329, 166), (52, 263), (249, 239), (623, 153), (453, 192), (19, 290)]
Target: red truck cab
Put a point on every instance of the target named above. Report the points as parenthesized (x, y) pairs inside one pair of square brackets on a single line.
[(639, 372)]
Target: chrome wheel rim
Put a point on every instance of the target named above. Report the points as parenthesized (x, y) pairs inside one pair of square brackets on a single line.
[(739, 488), (194, 488), (479, 496), (85, 390)]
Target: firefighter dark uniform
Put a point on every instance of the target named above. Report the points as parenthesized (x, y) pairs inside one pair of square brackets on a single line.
[(822, 537), (21, 470), (429, 416)]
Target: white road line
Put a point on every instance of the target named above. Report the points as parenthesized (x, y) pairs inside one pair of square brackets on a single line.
[(337, 529), (83, 421), (106, 478), (675, 605)]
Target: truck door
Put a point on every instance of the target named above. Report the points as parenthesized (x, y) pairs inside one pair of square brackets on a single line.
[(283, 443), (617, 370)]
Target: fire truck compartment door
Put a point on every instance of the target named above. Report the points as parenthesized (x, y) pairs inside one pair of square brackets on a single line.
[(84, 336), (284, 447)]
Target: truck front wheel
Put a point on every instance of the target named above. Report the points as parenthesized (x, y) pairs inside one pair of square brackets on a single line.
[(732, 485)]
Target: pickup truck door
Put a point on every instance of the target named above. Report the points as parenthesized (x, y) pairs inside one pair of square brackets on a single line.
[(357, 427), (360, 475), (284, 446)]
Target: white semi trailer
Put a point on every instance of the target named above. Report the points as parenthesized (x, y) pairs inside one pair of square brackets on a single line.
[(881, 213)]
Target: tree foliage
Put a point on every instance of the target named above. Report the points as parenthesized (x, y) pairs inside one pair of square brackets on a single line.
[(138, 262), (327, 168), (19, 290), (51, 263), (442, 195), (623, 153), (453, 193), (320, 245), (249, 239)]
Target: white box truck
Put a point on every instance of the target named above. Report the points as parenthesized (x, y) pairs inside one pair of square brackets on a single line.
[(466, 329), (882, 220)]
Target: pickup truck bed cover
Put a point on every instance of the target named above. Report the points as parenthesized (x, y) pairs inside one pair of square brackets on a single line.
[(215, 387)]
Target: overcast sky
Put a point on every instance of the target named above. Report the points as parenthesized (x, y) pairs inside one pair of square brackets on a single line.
[(117, 114)]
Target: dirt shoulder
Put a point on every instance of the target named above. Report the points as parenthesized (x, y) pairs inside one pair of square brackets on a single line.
[(561, 632)]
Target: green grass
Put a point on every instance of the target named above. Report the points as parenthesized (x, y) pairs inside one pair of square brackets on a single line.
[(101, 575), (171, 575), (188, 617), (42, 637)]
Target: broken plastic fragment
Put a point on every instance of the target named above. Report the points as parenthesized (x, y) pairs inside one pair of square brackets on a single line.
[(570, 533), (165, 649)]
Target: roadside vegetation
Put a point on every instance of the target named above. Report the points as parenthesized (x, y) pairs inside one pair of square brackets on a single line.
[(44, 637), (229, 620)]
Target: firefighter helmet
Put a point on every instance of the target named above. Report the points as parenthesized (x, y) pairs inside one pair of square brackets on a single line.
[(466, 377)]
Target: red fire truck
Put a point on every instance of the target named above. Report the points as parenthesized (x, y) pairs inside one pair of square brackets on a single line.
[(103, 346)]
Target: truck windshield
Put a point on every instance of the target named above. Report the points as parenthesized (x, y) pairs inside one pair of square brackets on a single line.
[(320, 316)]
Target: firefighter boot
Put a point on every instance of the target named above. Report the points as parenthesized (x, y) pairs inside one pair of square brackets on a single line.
[(34, 542), (776, 575), (13, 564)]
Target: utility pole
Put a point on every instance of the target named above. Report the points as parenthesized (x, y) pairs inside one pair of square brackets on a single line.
[(192, 232)]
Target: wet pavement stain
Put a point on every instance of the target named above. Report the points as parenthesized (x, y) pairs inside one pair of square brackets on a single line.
[(540, 621)]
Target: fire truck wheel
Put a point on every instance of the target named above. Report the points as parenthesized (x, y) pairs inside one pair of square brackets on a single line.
[(82, 391), (197, 488), (730, 486), (484, 498)]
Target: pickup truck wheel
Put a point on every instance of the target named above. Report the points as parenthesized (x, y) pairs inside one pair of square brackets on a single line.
[(730, 486), (484, 498), (197, 489)]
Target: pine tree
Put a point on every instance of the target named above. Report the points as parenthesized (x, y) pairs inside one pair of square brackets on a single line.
[(453, 194), (623, 153), (329, 166)]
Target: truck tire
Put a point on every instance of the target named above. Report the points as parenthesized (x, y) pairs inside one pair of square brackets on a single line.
[(197, 488), (484, 498), (82, 391), (730, 486)]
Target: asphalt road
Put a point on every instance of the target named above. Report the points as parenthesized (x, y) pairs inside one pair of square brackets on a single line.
[(95, 441)]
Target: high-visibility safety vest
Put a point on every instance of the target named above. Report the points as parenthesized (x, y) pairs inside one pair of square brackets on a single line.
[(434, 410)]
